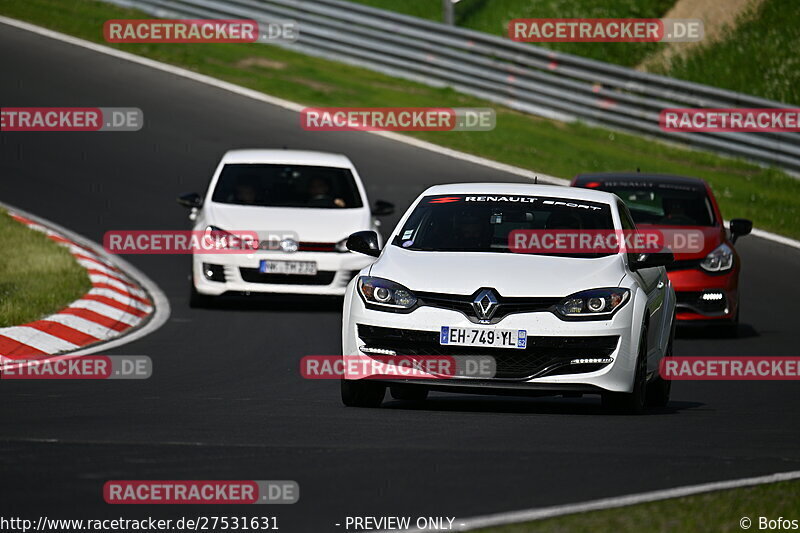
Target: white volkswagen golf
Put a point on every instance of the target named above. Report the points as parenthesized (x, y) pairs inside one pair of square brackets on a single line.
[(302, 205), (448, 284)]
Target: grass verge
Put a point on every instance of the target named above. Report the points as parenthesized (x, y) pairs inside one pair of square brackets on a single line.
[(758, 56), (767, 196), (37, 276), (719, 512)]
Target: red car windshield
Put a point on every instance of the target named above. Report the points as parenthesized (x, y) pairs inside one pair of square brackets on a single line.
[(664, 204)]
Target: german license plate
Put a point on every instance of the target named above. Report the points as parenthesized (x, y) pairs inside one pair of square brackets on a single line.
[(490, 338), (300, 268)]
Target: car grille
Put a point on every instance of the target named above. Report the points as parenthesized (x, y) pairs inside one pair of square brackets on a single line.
[(253, 275), (543, 356), (505, 307), (684, 264), (693, 302)]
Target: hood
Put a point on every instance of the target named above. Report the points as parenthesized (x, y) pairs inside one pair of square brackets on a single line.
[(509, 273), (310, 225)]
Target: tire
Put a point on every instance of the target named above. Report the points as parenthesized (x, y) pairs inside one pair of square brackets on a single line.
[(659, 389), (197, 300), (362, 393), (634, 402), (731, 329), (409, 394)]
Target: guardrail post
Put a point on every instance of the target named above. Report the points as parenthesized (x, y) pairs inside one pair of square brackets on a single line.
[(447, 12)]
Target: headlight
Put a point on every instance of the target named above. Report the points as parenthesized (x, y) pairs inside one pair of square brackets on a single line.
[(593, 303), (382, 292), (341, 246), (220, 239), (720, 260)]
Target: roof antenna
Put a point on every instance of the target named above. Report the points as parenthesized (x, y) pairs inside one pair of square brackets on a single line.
[(536, 180), (638, 169)]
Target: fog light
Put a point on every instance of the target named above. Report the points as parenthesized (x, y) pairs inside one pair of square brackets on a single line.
[(377, 351), (594, 361), (711, 296), (214, 272)]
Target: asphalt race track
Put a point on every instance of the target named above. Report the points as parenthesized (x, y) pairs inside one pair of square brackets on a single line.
[(226, 400)]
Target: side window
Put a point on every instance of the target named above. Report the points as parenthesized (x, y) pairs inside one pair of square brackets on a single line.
[(626, 220), (625, 217)]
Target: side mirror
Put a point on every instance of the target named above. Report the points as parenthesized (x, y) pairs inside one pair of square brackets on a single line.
[(364, 242), (190, 200), (651, 260), (382, 208), (740, 227)]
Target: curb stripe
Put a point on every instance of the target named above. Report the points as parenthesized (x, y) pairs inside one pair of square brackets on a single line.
[(138, 313), (61, 331), (84, 325), (94, 265), (123, 293), (123, 298), (13, 349), (113, 305), (113, 280), (85, 257), (97, 318), (102, 309), (43, 342)]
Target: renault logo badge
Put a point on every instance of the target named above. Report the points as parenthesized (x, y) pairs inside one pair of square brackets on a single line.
[(485, 304)]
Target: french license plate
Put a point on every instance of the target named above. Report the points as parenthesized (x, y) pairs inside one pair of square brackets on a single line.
[(300, 268), (492, 338)]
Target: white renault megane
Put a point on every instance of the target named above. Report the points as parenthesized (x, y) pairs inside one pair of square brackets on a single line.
[(301, 204), (448, 284)]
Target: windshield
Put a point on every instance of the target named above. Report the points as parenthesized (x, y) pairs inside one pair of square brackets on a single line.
[(664, 204), (287, 186), (482, 223)]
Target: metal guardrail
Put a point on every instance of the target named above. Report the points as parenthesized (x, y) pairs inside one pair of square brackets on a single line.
[(517, 75)]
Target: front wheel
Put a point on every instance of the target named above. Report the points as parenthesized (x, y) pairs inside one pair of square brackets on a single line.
[(632, 403), (197, 300), (362, 393), (659, 389), (409, 393)]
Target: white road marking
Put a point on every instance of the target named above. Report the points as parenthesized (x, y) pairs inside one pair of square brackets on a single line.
[(529, 515)]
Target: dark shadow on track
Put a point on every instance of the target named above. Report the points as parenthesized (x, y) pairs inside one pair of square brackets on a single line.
[(745, 331), (534, 406), (290, 303)]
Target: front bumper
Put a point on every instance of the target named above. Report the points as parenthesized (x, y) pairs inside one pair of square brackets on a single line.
[(240, 273), (551, 343), (703, 297)]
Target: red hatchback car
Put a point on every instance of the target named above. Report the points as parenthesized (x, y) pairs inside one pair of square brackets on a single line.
[(706, 282)]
